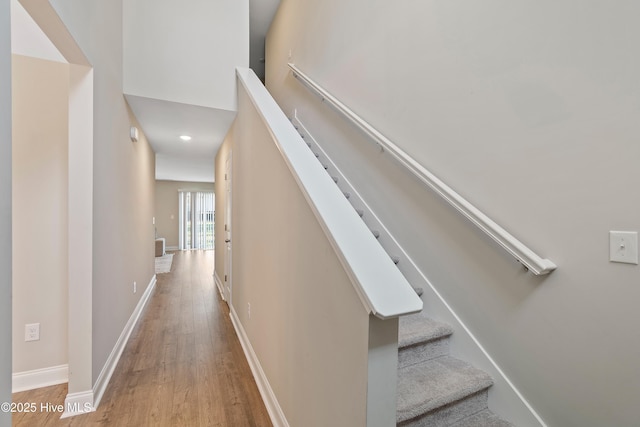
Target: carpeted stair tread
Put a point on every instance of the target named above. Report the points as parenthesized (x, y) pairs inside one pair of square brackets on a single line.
[(429, 385), (484, 418), (417, 328)]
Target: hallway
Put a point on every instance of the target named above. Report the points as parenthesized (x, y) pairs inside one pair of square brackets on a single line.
[(183, 364)]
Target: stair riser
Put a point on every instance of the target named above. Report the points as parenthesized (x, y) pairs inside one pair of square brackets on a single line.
[(417, 353), (450, 414)]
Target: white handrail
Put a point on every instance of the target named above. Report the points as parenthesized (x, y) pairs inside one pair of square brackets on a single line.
[(383, 290), (535, 263)]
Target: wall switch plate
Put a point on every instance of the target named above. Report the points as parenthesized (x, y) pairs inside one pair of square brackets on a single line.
[(623, 247), (32, 332), (249, 309), (135, 287)]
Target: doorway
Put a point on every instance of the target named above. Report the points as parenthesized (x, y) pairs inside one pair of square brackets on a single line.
[(227, 231), (196, 214)]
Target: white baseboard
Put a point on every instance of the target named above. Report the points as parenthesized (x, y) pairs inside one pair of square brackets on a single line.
[(504, 398), (270, 401), (112, 361), (219, 285), (29, 380), (78, 404), (171, 248)]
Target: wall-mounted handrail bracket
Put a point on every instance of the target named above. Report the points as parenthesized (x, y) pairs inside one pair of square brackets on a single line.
[(529, 259)]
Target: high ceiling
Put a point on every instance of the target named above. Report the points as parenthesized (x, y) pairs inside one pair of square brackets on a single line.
[(175, 111), (164, 121)]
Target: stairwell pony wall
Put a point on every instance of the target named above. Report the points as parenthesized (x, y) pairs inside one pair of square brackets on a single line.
[(528, 110), (292, 300)]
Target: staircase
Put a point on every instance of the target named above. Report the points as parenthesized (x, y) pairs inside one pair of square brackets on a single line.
[(434, 389)]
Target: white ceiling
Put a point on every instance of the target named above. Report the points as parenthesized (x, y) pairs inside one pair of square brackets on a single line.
[(163, 122)]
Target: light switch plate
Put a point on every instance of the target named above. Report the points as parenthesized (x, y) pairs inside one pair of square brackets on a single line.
[(623, 246)]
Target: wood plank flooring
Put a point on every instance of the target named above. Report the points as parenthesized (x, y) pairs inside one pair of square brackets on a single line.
[(183, 365)]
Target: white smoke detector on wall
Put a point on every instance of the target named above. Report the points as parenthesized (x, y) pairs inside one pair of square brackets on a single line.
[(133, 133)]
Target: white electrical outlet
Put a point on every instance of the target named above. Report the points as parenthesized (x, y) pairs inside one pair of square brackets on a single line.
[(32, 332), (135, 287), (249, 309), (623, 246)]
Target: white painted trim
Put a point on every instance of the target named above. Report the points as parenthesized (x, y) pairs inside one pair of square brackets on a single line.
[(219, 284), (502, 237), (383, 291), (510, 403), (78, 404), (276, 414), (171, 248), (37, 378), (112, 361), (504, 398)]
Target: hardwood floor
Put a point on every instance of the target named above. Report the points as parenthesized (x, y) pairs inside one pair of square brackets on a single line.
[(183, 365)]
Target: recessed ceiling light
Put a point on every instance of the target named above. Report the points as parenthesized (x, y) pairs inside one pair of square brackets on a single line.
[(185, 137)]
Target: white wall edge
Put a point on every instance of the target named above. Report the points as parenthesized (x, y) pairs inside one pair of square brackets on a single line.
[(112, 361), (219, 285), (78, 404), (278, 418), (38, 378)]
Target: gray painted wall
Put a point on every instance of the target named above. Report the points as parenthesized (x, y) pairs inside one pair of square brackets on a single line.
[(123, 187), (5, 208), (530, 111)]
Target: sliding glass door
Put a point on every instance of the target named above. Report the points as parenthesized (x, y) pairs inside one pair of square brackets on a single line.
[(196, 219)]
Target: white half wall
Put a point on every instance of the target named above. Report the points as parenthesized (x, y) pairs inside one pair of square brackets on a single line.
[(294, 300)]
